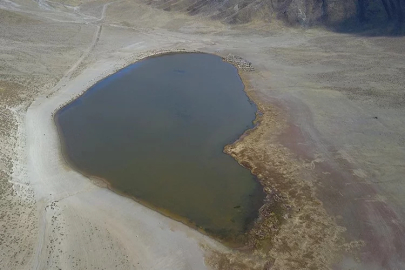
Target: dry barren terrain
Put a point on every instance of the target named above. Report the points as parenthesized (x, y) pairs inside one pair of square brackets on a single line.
[(328, 148)]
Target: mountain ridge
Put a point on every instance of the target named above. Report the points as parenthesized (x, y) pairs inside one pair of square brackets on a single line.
[(380, 16)]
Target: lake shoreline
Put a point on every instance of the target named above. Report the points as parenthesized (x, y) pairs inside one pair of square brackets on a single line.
[(101, 182), (278, 174), (57, 184)]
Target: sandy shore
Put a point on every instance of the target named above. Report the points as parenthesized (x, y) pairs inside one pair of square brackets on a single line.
[(91, 216)]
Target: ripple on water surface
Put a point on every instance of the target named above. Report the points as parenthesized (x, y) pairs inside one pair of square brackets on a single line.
[(155, 131)]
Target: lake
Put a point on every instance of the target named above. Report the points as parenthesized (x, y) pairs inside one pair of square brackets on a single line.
[(155, 131)]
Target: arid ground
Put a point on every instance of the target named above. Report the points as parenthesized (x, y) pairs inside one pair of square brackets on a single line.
[(328, 148)]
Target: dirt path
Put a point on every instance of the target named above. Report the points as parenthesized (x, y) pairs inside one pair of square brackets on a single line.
[(62, 83)]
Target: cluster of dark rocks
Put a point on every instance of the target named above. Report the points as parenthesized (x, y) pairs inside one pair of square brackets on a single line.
[(239, 62)]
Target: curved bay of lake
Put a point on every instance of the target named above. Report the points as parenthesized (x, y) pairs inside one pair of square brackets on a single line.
[(156, 130)]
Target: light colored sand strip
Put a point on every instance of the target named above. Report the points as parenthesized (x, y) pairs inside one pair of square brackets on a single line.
[(93, 226)]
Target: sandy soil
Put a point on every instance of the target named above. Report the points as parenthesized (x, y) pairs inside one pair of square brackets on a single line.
[(329, 148)]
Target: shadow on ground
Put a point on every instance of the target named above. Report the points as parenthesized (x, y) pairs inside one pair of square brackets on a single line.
[(376, 27)]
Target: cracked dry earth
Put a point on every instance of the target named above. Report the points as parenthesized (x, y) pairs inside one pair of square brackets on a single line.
[(328, 148)]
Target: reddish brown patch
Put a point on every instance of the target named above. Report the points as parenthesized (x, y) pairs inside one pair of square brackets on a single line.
[(343, 194)]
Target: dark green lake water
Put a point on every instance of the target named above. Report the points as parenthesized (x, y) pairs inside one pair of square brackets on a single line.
[(156, 130)]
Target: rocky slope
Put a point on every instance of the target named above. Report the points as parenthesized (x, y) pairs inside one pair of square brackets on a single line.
[(343, 14)]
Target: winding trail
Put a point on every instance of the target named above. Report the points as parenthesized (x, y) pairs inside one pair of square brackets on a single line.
[(62, 82)]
